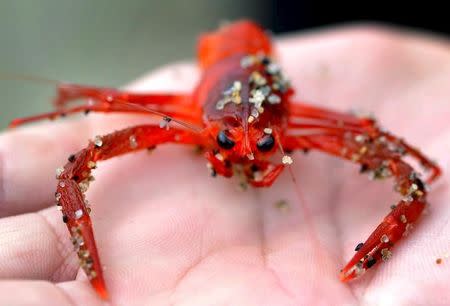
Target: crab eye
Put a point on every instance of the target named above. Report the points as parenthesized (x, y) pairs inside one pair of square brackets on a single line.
[(265, 143), (224, 141)]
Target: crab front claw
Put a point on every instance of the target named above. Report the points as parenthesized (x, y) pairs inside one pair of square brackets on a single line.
[(377, 247)]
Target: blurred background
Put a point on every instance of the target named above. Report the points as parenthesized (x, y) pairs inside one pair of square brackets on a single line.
[(110, 42)]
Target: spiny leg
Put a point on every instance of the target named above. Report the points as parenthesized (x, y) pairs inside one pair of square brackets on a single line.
[(107, 100), (99, 108), (424, 161), (309, 119), (304, 111), (380, 155), (74, 179), (67, 93)]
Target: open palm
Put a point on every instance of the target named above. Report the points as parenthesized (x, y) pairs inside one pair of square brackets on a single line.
[(169, 234)]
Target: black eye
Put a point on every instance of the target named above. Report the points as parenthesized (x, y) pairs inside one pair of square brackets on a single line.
[(265, 143), (224, 141)]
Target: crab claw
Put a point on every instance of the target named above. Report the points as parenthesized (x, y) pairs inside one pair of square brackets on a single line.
[(76, 216), (377, 247)]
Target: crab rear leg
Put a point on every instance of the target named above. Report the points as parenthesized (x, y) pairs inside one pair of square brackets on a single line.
[(304, 116), (104, 108), (67, 92), (380, 155), (106, 100), (300, 110), (74, 179)]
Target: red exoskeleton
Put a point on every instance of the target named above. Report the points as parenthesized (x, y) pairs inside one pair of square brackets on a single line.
[(242, 116)]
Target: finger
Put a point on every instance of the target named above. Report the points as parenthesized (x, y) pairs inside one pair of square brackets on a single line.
[(36, 246), (81, 293), (30, 155), (15, 293), (28, 159)]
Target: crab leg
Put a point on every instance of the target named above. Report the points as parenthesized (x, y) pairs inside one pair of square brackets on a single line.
[(74, 179), (107, 100), (67, 93), (380, 155), (327, 122), (302, 110), (98, 108)]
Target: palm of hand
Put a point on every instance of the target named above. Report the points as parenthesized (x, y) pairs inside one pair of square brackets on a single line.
[(169, 234)]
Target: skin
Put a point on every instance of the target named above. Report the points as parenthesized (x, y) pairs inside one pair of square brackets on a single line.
[(169, 234)]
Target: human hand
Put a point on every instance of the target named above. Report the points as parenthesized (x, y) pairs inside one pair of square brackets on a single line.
[(169, 234)]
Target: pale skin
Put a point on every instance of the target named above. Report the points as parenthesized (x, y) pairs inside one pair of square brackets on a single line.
[(169, 234)]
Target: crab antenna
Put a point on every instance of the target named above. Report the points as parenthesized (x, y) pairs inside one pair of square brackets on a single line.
[(318, 247), (247, 142), (28, 78), (165, 117)]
